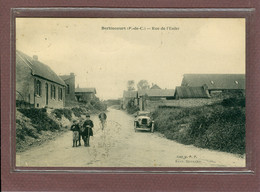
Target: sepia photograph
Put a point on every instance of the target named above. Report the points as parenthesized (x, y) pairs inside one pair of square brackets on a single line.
[(130, 92)]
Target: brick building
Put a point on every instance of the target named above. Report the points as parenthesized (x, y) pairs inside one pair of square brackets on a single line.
[(37, 84), (70, 86)]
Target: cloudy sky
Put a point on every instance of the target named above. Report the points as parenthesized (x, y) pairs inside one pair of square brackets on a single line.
[(107, 59)]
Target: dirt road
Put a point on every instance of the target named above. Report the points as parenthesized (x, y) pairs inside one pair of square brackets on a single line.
[(120, 146)]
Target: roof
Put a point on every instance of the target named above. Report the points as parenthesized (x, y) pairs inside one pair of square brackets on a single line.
[(85, 90), (66, 77), (129, 94), (38, 69), (191, 92), (215, 81), (157, 92), (155, 87)]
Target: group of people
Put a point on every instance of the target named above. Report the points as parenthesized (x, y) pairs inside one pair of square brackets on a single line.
[(85, 130)]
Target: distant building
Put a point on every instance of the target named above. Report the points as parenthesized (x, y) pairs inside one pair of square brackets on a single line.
[(215, 82), (154, 86), (70, 86), (128, 96), (153, 95), (85, 94), (182, 92), (37, 84)]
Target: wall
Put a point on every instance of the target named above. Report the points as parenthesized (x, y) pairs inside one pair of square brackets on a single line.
[(40, 101), (25, 86), (151, 105)]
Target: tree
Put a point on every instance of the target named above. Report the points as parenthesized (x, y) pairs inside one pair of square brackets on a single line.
[(130, 85), (143, 84)]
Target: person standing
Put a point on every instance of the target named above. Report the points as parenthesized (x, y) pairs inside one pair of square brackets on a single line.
[(75, 128), (102, 117), (87, 132)]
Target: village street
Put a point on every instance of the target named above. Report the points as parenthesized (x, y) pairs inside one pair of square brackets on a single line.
[(120, 146)]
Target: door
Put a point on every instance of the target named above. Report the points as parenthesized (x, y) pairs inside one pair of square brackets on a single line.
[(47, 93)]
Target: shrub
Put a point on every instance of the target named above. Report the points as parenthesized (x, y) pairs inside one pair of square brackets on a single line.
[(97, 104), (39, 119), (234, 101), (59, 112), (78, 111), (219, 126), (131, 108)]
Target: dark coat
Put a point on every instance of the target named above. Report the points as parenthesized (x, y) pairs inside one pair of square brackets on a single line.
[(88, 125), (75, 127)]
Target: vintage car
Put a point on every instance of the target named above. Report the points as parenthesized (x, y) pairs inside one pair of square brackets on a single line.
[(143, 121)]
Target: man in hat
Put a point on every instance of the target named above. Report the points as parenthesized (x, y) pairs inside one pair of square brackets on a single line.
[(88, 125)]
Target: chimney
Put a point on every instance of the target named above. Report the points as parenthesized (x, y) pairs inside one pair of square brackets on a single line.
[(72, 74), (35, 57)]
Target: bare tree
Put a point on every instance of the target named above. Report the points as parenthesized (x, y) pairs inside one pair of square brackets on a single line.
[(131, 85), (143, 84)]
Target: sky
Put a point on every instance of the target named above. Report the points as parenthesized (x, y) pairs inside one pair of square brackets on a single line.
[(159, 50)]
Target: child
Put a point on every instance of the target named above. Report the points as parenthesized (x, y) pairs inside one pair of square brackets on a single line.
[(88, 125), (75, 128)]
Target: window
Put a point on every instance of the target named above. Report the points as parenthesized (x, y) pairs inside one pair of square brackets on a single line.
[(38, 88), (60, 94), (68, 89), (53, 92)]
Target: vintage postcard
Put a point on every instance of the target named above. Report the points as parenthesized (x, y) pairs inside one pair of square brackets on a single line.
[(130, 92)]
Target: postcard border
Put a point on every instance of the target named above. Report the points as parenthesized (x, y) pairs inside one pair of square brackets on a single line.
[(251, 150)]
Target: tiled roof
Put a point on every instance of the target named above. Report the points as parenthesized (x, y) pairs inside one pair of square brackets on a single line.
[(38, 69), (157, 92), (129, 94), (64, 77), (191, 92), (85, 90), (215, 81)]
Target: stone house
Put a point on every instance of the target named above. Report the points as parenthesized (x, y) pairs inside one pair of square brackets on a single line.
[(70, 86), (37, 84), (85, 94)]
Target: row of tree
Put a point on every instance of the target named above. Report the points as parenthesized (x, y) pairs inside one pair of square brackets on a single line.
[(142, 84)]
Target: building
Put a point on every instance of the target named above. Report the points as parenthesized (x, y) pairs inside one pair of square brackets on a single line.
[(70, 86), (182, 92), (128, 96), (37, 84), (215, 82), (85, 94), (154, 86), (153, 95)]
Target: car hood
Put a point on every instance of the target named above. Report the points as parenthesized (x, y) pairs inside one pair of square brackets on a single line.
[(143, 117)]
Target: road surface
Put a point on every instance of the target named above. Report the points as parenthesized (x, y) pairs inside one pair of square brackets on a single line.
[(120, 146)]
